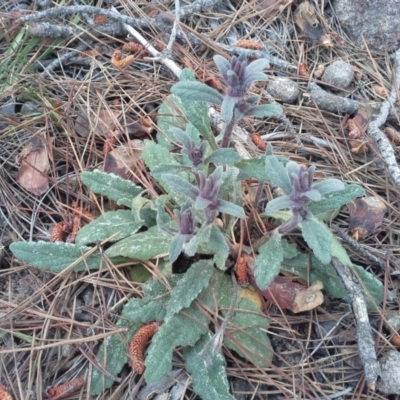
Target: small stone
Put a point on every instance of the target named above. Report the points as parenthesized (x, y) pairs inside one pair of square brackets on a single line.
[(339, 74), (390, 373), (284, 89)]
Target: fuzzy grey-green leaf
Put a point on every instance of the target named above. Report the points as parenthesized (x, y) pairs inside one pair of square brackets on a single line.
[(112, 186), (142, 246), (188, 288), (278, 174), (179, 330), (269, 261), (207, 368), (112, 355), (247, 334), (120, 221), (318, 237), (55, 257)]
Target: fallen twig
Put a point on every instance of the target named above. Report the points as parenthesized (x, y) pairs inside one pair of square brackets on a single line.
[(378, 136), (358, 247), (366, 344)]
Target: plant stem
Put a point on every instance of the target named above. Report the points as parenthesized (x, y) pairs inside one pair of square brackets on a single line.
[(228, 132)]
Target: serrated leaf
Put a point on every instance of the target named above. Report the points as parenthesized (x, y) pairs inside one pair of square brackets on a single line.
[(318, 237), (121, 221), (223, 156), (268, 262), (112, 355), (55, 257), (278, 174), (248, 328), (112, 186), (335, 200), (207, 368), (188, 288), (179, 330), (142, 246)]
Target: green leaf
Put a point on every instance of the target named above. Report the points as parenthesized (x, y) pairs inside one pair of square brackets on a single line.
[(268, 262), (230, 208), (112, 186), (176, 246), (253, 168), (188, 288), (179, 330), (55, 257), (220, 247), (318, 237), (247, 334), (223, 156), (289, 249), (265, 111), (202, 236), (181, 185), (121, 221), (193, 91), (335, 200), (155, 155), (278, 174), (112, 355), (207, 368), (142, 246)]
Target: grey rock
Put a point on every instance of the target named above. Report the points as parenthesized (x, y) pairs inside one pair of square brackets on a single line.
[(390, 373), (370, 22), (339, 74), (284, 89)]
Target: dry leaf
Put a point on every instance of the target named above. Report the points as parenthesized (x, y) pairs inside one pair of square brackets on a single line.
[(121, 62), (287, 294), (4, 393), (366, 216), (101, 122), (137, 48), (32, 174), (359, 122), (358, 146), (123, 158), (308, 22), (392, 134), (251, 294), (258, 141)]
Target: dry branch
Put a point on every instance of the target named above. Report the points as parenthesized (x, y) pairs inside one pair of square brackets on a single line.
[(366, 344), (378, 136)]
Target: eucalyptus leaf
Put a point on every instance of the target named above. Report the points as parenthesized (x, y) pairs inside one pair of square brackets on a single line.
[(112, 186), (55, 257), (122, 222), (268, 262)]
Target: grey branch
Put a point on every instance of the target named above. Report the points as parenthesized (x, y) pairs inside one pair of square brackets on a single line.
[(378, 136), (330, 102), (67, 10), (366, 344)]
